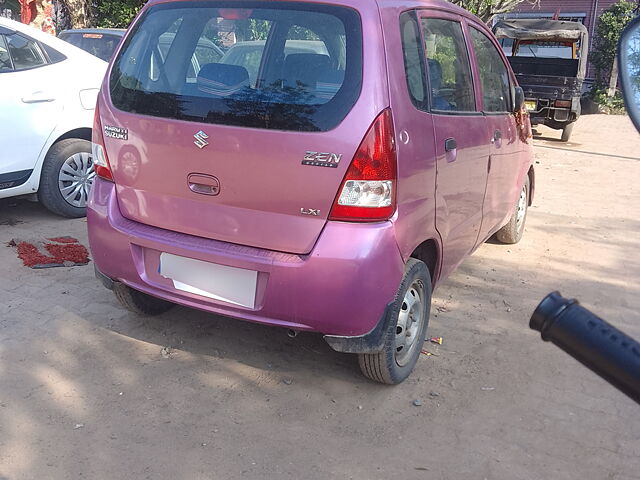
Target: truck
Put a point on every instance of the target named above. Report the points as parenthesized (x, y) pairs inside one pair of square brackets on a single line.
[(549, 59)]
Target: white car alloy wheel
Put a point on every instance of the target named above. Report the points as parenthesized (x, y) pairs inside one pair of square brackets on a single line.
[(76, 178)]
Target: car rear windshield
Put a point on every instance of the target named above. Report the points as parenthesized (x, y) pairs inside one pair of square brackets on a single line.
[(275, 65), (99, 44), (541, 49)]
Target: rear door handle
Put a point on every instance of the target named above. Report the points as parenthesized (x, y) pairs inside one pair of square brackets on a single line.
[(450, 150), (38, 97), (497, 136), (203, 184), (450, 144)]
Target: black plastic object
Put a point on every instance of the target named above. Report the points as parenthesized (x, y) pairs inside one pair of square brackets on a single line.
[(586, 337)]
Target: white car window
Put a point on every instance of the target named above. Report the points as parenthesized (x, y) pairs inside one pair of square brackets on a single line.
[(24, 52), (5, 59)]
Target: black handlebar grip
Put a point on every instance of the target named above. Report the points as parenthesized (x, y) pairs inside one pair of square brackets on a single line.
[(589, 339)]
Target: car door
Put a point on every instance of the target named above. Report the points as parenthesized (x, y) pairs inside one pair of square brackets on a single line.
[(504, 167), (462, 147), (29, 106)]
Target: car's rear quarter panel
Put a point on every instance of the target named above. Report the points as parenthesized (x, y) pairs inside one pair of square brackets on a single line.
[(415, 218)]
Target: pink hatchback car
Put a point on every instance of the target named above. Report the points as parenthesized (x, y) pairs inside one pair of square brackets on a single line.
[(310, 165)]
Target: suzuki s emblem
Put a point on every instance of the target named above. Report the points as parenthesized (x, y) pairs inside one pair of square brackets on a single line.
[(201, 139)]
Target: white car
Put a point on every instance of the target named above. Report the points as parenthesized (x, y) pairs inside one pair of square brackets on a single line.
[(48, 92)]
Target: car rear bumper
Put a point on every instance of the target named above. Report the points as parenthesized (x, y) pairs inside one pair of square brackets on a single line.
[(341, 288), (555, 117)]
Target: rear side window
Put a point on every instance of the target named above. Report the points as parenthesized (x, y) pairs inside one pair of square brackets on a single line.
[(25, 52), (5, 59), (494, 75), (413, 61), (54, 55), (274, 65), (448, 64)]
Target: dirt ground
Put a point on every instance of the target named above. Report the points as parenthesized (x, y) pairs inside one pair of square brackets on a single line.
[(86, 393)]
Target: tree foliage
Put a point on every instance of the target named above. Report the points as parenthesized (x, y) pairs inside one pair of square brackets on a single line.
[(608, 30), (116, 13), (486, 9)]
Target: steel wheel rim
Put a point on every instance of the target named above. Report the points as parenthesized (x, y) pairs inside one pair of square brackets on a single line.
[(522, 208), (76, 178), (409, 324)]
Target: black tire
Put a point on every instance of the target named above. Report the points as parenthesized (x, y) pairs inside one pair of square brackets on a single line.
[(140, 303), (512, 232), (383, 367), (566, 132), (49, 191)]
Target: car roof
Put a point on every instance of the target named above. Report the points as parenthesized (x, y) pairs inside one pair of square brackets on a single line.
[(104, 31), (383, 4), (367, 5), (54, 42), (435, 4)]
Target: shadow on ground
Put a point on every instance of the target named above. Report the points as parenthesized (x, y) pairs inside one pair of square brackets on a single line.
[(87, 393)]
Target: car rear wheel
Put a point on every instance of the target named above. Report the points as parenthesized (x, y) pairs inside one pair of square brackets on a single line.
[(405, 336), (140, 303), (512, 232), (66, 178), (566, 132)]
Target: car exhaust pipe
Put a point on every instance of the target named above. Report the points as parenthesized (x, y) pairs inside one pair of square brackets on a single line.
[(292, 333)]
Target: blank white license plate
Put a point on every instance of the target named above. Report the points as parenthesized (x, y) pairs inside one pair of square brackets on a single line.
[(219, 282)]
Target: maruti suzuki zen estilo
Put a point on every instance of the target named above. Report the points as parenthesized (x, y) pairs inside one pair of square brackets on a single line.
[(321, 169)]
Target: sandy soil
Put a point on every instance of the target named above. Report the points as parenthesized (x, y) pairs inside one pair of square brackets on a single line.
[(85, 392)]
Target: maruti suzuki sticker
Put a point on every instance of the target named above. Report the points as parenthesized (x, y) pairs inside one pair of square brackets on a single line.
[(322, 159), (118, 133)]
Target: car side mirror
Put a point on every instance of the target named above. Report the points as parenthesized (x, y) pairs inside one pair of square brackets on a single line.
[(629, 68), (518, 99)]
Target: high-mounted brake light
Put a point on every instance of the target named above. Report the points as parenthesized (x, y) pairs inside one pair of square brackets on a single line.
[(98, 153), (368, 191), (235, 13)]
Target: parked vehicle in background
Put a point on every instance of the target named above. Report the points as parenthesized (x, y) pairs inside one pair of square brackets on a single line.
[(48, 91), (331, 192), (101, 42), (549, 58)]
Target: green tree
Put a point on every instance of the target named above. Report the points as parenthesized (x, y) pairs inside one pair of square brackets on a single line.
[(116, 13), (487, 9), (608, 30)]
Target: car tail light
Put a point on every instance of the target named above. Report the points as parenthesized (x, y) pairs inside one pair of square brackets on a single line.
[(563, 103), (98, 153), (368, 191)]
